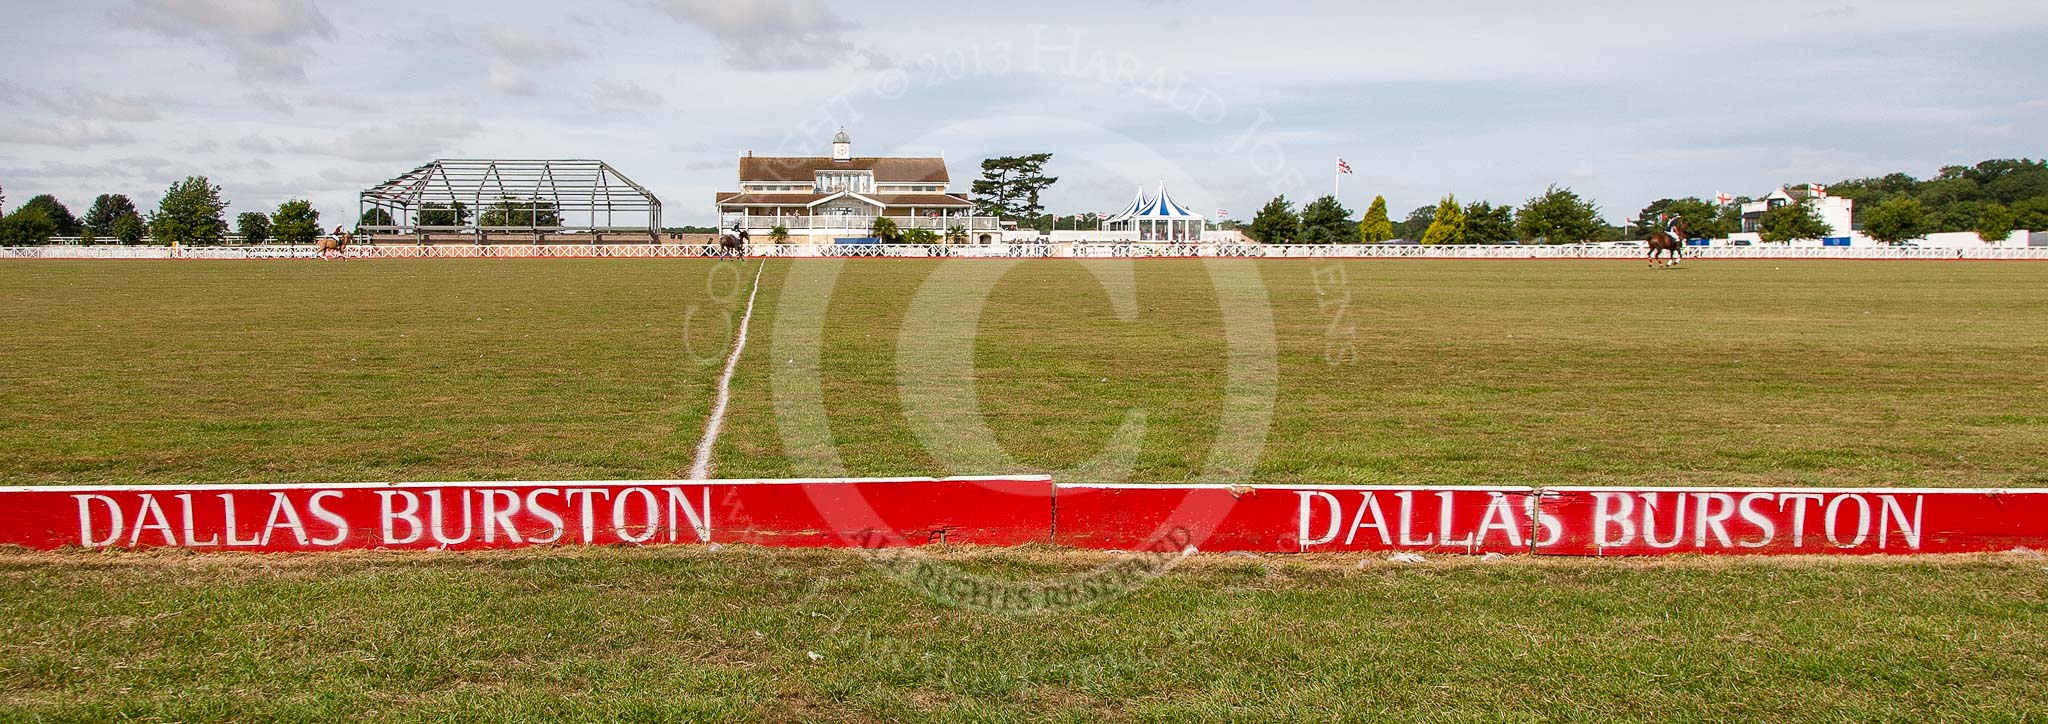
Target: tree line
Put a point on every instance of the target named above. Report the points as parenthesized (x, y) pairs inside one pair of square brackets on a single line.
[(191, 213), (1557, 216), (1993, 199)]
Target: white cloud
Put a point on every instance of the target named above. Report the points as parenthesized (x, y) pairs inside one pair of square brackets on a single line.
[(84, 105), (415, 142), (1489, 100), (770, 34), (520, 54), (257, 144), (269, 101), (266, 38), (69, 133), (627, 93)]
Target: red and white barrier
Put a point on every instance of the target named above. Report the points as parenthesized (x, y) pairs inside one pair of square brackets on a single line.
[(1663, 521), (1028, 509), (1220, 518), (467, 516)]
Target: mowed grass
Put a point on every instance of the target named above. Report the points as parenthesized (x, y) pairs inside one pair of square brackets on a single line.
[(1428, 372), (689, 633), (1397, 372), (245, 372), (1382, 372)]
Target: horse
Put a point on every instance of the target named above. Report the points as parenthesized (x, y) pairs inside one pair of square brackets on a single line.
[(734, 243), (332, 247), (1662, 241)]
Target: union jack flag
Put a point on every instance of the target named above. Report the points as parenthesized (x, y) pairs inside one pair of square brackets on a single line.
[(1343, 167)]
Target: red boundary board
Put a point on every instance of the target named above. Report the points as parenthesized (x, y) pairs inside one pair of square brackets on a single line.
[(469, 516), (1662, 521), (1270, 519), (1017, 510)]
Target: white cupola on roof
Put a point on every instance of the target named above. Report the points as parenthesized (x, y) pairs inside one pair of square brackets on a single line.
[(842, 147)]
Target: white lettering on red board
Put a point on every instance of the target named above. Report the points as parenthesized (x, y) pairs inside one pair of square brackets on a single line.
[(1659, 520), (400, 517), (1669, 520), (1324, 519)]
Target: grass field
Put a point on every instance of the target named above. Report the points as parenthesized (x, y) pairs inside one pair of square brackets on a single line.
[(666, 634), (1535, 373), (1413, 372)]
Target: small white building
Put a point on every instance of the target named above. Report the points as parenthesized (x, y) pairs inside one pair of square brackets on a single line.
[(1157, 219), (1839, 213)]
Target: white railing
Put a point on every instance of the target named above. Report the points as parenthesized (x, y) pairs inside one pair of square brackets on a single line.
[(758, 224), (1004, 250)]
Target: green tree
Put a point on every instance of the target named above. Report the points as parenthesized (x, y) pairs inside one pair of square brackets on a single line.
[(254, 227), (190, 213), (27, 226), (1960, 215), (883, 228), (1703, 219), (1560, 216), (956, 234), (1895, 221), (296, 222), (779, 234), (57, 213), (130, 229), (1489, 224), (1449, 226), (435, 213), (1995, 225), (1792, 221), (105, 211), (1276, 223), (920, 236), (376, 217), (2031, 214), (1418, 221), (1010, 186), (1376, 227), (1325, 221), (518, 213)]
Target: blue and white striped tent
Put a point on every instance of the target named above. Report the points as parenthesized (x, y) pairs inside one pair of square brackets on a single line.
[(1157, 218)]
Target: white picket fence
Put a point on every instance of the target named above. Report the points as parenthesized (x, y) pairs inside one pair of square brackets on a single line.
[(1015, 251)]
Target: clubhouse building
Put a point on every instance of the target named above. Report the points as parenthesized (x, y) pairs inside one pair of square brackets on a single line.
[(821, 199)]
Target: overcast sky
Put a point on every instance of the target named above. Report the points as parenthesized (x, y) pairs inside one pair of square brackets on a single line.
[(1227, 102)]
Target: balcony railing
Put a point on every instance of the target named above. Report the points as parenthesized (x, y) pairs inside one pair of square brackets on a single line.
[(862, 223)]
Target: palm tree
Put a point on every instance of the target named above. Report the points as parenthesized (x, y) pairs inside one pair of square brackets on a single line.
[(883, 229)]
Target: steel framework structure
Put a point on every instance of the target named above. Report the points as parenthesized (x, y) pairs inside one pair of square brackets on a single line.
[(517, 196)]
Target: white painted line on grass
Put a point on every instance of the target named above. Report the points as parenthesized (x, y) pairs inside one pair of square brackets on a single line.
[(700, 467)]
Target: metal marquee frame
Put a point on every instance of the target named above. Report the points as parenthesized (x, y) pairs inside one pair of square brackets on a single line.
[(587, 196)]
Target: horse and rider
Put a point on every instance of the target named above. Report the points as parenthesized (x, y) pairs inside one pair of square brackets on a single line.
[(734, 242), (335, 245), (1669, 239)]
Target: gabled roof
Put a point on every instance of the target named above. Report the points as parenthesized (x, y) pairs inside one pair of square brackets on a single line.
[(739, 198), (1160, 206), (1163, 207), (765, 169), (1137, 204), (843, 194), (948, 200)]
